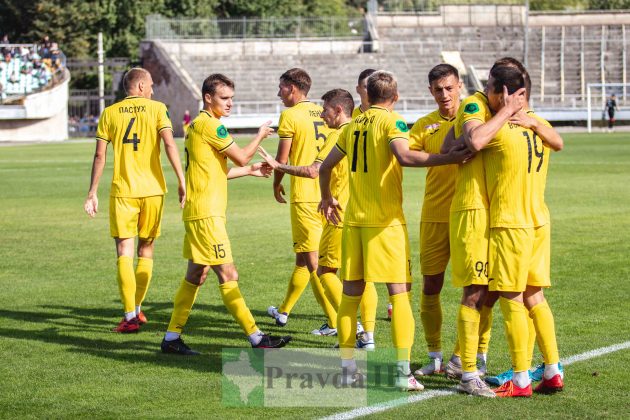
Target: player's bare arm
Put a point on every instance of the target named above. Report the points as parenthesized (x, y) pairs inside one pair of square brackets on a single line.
[(550, 137), (242, 156), (449, 141), (173, 157), (311, 171), (98, 164), (477, 134), (282, 157), (259, 169), (329, 206), (416, 158)]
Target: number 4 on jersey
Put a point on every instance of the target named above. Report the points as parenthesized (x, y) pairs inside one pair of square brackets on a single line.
[(135, 140)]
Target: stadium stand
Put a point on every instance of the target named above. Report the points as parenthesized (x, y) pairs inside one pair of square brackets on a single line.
[(563, 53)]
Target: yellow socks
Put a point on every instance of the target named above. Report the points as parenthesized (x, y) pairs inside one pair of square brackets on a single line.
[(144, 270), (299, 280), (531, 340), (546, 331), (320, 296), (431, 316), (485, 328), (332, 288), (468, 337), (182, 305), (515, 319), (403, 325), (234, 302), (368, 307), (126, 283), (347, 324)]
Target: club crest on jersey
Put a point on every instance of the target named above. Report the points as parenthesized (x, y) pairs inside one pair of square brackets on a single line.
[(471, 108), (222, 132), (402, 126)]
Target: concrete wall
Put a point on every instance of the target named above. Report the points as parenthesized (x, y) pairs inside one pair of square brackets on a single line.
[(171, 83), (499, 15), (41, 116)]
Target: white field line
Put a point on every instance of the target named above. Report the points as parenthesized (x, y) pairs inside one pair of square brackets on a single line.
[(377, 408)]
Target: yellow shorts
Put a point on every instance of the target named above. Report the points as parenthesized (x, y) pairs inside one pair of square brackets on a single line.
[(510, 256), (307, 225), (206, 241), (375, 254), (540, 267), (131, 217), (434, 248), (468, 236), (330, 246)]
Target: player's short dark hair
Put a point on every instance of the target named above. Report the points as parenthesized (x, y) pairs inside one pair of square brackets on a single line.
[(298, 78), (364, 75), (213, 81), (508, 76), (441, 71), (133, 76), (340, 97), (381, 87), (511, 61)]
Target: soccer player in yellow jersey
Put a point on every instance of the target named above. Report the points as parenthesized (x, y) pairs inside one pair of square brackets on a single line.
[(338, 105), (134, 127), (468, 235), (428, 134), (206, 244), (302, 134), (375, 246), (542, 138)]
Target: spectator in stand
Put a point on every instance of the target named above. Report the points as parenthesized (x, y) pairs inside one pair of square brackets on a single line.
[(46, 46), (186, 121)]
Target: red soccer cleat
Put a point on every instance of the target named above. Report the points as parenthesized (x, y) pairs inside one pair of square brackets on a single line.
[(141, 318), (549, 386), (126, 327), (509, 390)]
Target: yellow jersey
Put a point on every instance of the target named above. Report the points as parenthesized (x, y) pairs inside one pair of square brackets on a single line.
[(541, 157), (206, 167), (307, 131), (132, 126), (357, 111), (427, 134), (375, 175), (470, 187), (339, 174)]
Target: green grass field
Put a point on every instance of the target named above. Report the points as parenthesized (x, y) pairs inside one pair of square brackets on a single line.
[(60, 299)]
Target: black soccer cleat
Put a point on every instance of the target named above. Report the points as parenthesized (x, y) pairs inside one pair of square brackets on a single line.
[(178, 347), (272, 342)]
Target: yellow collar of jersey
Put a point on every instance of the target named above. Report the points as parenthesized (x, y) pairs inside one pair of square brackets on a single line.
[(133, 97), (379, 107), (445, 118), (343, 125), (207, 113)]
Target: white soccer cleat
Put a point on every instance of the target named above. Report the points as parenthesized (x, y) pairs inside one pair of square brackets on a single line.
[(475, 387), (433, 367), (280, 317), (360, 329), (453, 370), (408, 382), (364, 343), (324, 330)]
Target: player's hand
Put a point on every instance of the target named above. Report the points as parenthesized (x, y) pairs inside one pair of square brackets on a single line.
[(181, 193), (261, 169), (521, 118), (91, 205), (460, 153), (330, 207), (278, 192), (268, 158), (514, 102), (265, 131)]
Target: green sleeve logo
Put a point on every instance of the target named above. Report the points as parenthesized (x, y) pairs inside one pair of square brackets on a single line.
[(168, 115), (402, 126), (471, 108), (222, 132)]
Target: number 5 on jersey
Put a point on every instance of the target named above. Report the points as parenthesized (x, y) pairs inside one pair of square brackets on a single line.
[(135, 140)]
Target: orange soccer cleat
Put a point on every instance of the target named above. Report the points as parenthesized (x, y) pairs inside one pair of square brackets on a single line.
[(549, 386), (125, 327), (141, 318), (509, 390)]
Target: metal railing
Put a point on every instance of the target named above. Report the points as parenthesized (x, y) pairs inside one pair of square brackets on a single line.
[(397, 6), (158, 27)]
